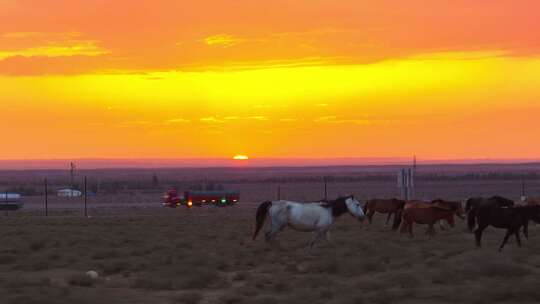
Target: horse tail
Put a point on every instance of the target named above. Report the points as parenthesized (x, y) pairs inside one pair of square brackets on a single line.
[(260, 216), (471, 218)]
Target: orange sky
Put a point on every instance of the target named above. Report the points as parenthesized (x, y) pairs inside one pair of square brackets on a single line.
[(305, 78)]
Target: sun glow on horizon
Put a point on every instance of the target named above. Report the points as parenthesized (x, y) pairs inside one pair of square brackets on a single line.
[(241, 157)]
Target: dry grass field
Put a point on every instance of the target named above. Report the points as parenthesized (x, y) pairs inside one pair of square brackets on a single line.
[(148, 254), (205, 255)]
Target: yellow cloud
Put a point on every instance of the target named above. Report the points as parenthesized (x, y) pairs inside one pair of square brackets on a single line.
[(223, 40), (211, 119), (258, 117), (336, 120), (178, 120), (70, 48)]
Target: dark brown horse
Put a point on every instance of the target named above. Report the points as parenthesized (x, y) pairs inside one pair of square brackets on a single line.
[(429, 213), (511, 219), (388, 206), (474, 204)]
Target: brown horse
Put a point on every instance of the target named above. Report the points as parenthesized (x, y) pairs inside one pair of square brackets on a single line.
[(388, 206), (532, 201), (429, 213)]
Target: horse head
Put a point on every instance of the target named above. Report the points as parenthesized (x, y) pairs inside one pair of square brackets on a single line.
[(459, 209), (353, 206), (470, 203), (456, 207)]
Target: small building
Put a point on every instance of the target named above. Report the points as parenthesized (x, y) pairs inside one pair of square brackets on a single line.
[(69, 193)]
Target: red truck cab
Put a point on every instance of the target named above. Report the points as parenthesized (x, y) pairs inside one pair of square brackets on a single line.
[(189, 198)]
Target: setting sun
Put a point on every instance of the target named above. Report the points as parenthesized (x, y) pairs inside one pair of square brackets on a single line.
[(240, 157)]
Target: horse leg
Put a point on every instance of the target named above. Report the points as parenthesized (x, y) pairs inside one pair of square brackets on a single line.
[(276, 227), (388, 218), (397, 220), (518, 238), (327, 236), (431, 230), (478, 235), (370, 215), (508, 233), (441, 225), (404, 226), (317, 236), (526, 230), (410, 229)]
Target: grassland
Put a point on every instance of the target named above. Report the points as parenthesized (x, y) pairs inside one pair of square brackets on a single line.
[(147, 254), (205, 255)]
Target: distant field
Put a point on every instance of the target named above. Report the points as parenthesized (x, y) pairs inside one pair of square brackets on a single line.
[(148, 202)]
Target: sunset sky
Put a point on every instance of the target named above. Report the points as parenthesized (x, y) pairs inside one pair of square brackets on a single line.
[(270, 79)]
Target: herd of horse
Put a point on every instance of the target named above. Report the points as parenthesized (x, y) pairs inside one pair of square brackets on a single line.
[(480, 213)]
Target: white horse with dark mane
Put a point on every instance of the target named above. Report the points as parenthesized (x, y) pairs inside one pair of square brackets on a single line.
[(314, 217)]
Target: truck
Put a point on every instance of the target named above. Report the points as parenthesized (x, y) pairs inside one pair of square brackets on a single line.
[(190, 198)]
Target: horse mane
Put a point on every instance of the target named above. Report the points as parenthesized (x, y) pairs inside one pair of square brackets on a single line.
[(502, 200), (445, 205), (338, 205)]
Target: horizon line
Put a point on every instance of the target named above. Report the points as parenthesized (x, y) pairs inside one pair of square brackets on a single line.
[(217, 162)]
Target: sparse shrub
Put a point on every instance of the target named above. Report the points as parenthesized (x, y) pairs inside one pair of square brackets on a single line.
[(200, 278), (240, 276), (402, 279), (493, 269), (152, 283), (104, 254), (81, 280), (37, 245), (40, 265), (326, 294), (266, 300), (231, 299), (357, 300), (281, 286), (116, 267), (7, 259), (188, 298)]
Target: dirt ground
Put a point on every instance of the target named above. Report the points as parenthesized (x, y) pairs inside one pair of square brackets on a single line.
[(147, 254)]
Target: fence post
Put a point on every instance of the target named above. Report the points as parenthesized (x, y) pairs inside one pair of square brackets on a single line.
[(85, 199), (46, 198), (325, 188), (7, 202), (523, 194)]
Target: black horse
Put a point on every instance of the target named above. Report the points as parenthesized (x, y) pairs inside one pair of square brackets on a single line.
[(511, 219), (473, 205)]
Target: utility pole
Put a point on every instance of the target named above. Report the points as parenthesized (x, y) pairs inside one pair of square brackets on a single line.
[(72, 174)]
